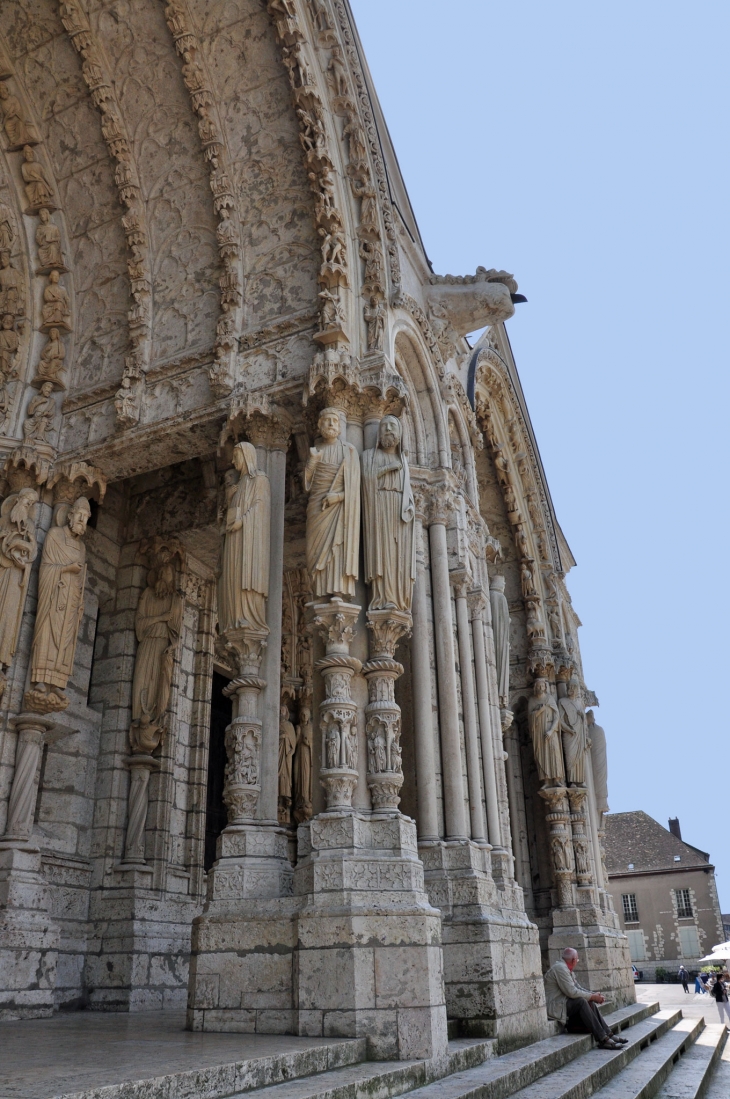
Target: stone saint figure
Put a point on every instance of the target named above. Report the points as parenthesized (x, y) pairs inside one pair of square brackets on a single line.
[(287, 747), (157, 623), (39, 415), (388, 520), (18, 550), (332, 479), (37, 187), (56, 310), (51, 360), (61, 582), (10, 291), (48, 239), (544, 723), (244, 579), (500, 629), (599, 762), (303, 768), (17, 129), (573, 732)]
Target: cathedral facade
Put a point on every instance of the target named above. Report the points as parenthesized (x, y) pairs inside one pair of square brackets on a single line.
[(293, 722)]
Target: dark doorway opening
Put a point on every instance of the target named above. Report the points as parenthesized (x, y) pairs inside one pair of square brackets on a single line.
[(221, 712)]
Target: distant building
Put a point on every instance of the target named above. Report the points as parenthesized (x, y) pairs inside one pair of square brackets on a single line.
[(726, 927), (664, 892)]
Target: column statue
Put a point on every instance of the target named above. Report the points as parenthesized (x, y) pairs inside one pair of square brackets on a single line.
[(543, 720), (303, 768), (18, 550), (244, 580), (332, 479), (599, 762), (157, 623), (388, 520), (287, 746), (61, 583), (573, 733), (500, 628)]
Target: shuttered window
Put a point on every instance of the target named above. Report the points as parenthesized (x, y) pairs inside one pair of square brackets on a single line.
[(636, 946), (690, 942)]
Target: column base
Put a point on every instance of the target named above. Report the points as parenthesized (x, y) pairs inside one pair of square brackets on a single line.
[(492, 964), (243, 943), (29, 937), (604, 962), (369, 942)]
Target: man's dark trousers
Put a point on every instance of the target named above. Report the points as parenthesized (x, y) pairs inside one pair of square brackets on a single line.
[(584, 1017)]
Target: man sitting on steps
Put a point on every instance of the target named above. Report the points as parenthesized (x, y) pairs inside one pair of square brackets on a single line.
[(574, 1006)]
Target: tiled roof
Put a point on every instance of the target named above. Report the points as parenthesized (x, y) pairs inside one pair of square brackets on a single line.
[(639, 839)]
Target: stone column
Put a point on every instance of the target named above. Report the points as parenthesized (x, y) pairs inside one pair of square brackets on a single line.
[(471, 733), (382, 714), (577, 797), (140, 766), (477, 602), (335, 622), (454, 813), (561, 845), (32, 729), (242, 786), (428, 827)]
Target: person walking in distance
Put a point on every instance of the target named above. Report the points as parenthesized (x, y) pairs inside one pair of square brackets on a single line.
[(574, 1006), (684, 978)]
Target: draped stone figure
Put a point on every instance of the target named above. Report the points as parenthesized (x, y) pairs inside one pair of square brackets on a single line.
[(573, 733), (599, 762), (303, 768), (60, 603), (500, 628), (10, 287), (48, 240), (287, 747), (544, 723), (157, 623), (37, 188), (56, 310), (244, 579), (388, 520), (332, 479), (18, 550), (18, 131)]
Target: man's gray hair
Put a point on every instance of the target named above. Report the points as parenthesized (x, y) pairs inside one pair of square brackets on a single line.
[(569, 953)]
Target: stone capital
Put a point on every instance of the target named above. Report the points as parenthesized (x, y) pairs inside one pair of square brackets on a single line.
[(69, 480), (387, 627), (264, 423), (246, 646), (442, 504), (477, 599), (335, 622)]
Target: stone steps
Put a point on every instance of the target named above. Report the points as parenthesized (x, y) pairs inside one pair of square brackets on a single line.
[(698, 1066), (719, 1084)]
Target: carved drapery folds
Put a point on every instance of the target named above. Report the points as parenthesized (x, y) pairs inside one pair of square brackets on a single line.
[(388, 520), (332, 479), (242, 593)]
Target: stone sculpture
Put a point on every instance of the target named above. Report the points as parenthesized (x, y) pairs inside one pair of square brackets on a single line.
[(48, 240), (244, 579), (18, 550), (56, 305), (374, 315), (332, 479), (10, 291), (8, 345), (37, 188), (39, 417), (388, 520), (287, 747), (19, 132), (303, 768), (157, 623), (52, 361), (7, 231), (61, 583), (500, 627), (573, 733), (599, 762), (544, 723)]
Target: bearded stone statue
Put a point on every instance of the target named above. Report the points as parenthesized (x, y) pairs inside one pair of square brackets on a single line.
[(158, 622), (388, 520), (332, 479)]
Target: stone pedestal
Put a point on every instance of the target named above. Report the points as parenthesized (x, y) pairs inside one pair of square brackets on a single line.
[(492, 964), (604, 961), (29, 937), (369, 954)]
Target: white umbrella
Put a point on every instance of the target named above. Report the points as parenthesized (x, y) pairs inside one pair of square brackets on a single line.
[(720, 953)]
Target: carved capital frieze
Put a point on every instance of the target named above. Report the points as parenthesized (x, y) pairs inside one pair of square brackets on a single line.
[(70, 479)]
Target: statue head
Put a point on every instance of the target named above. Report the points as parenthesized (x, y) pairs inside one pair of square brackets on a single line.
[(572, 689), (27, 153), (78, 516), (329, 424), (284, 712), (7, 321), (53, 276), (54, 335), (590, 717), (47, 389), (44, 215), (19, 506), (539, 687), (390, 433), (304, 716), (244, 459)]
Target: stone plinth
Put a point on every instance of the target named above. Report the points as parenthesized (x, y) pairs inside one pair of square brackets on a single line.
[(29, 937), (492, 965), (604, 962), (369, 956)]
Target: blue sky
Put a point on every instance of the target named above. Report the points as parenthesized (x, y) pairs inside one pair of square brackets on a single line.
[(584, 147)]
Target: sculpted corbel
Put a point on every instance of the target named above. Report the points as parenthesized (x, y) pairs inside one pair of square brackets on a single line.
[(472, 301)]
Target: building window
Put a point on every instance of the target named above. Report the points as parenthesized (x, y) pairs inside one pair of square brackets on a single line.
[(684, 904), (637, 948), (631, 912), (690, 942)]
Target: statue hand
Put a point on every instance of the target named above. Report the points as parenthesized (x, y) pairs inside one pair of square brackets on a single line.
[(235, 525), (72, 569), (331, 499)]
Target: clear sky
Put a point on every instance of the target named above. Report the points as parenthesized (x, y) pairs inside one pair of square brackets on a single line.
[(584, 147)]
